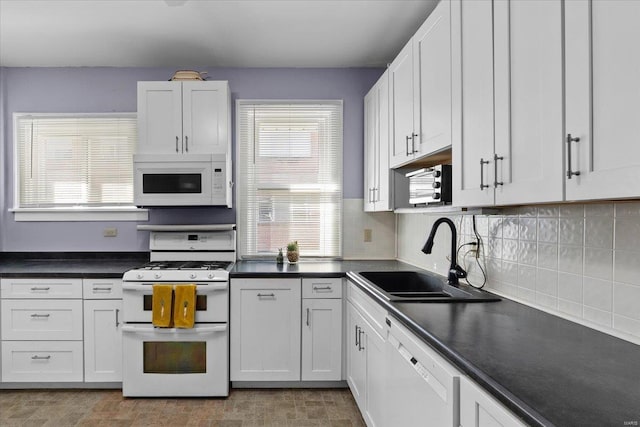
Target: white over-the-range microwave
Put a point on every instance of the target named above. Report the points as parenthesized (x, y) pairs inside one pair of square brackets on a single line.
[(182, 180)]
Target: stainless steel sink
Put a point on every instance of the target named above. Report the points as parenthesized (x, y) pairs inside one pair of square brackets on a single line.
[(414, 286)]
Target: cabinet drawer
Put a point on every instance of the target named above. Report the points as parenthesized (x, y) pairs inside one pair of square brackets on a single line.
[(41, 288), (24, 320), (102, 288), (41, 361), (322, 288), (370, 310)]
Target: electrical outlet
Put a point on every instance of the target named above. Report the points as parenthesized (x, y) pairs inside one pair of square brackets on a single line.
[(110, 232), (368, 235)]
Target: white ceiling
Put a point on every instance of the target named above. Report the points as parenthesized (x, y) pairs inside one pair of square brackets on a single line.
[(219, 33)]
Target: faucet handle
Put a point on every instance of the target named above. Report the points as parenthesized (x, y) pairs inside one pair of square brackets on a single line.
[(456, 272)]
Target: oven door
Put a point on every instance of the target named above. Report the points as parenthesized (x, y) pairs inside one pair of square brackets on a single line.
[(211, 302), (175, 362)]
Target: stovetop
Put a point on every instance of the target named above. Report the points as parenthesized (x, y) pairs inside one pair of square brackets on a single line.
[(186, 265)]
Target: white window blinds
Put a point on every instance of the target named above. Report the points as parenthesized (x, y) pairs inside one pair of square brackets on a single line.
[(289, 177), (74, 160)]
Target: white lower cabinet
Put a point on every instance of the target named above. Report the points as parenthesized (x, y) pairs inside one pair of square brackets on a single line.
[(478, 409), (265, 329), (322, 340), (102, 330), (286, 329), (42, 361), (366, 364), (102, 341)]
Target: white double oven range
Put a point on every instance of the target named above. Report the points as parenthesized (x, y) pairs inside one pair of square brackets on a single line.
[(180, 361)]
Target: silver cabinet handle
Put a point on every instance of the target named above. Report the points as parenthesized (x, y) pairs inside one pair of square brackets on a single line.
[(177, 139), (571, 139), (413, 143), (360, 346), (35, 315), (322, 288), (495, 170), (99, 289), (36, 357), (482, 184), (117, 313), (38, 288), (371, 195), (186, 143), (357, 336), (307, 316), (374, 194), (407, 145), (266, 295)]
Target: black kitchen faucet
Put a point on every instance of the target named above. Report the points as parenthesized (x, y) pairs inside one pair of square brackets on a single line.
[(455, 271)]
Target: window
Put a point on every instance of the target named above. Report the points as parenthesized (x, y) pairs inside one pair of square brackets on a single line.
[(289, 177), (74, 161)]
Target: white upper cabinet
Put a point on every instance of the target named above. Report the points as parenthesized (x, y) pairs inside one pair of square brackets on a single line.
[(528, 101), (432, 81), (507, 102), (602, 62), (178, 117), (472, 102), (420, 90), (377, 188)]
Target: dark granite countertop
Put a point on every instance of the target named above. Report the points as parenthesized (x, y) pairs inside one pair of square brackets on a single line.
[(547, 370), (75, 265), (313, 268)]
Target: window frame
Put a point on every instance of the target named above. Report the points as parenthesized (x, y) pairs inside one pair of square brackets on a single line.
[(68, 213), (238, 167)]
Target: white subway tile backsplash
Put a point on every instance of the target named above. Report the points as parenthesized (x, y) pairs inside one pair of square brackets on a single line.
[(548, 256), (598, 263), (570, 259), (571, 231), (570, 287), (627, 234), (578, 260), (604, 318), (528, 253), (547, 282), (627, 209), (598, 232), (626, 267), (548, 230), (599, 209), (625, 300), (598, 293)]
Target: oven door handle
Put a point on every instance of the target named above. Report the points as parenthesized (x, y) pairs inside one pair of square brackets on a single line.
[(153, 331), (202, 289)]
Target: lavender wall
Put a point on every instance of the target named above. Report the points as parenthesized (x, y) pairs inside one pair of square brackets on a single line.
[(68, 90)]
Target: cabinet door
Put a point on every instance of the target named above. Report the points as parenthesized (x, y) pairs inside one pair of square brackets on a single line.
[(528, 101), (432, 81), (205, 110), (383, 197), (265, 329), (321, 339), (102, 340), (472, 102), (159, 118), (356, 360), (478, 409), (376, 368), (370, 148), (401, 95), (602, 62)]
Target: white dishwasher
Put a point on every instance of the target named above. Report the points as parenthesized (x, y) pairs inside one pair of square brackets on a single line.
[(423, 388)]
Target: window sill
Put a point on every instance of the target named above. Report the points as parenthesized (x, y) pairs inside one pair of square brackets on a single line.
[(81, 214)]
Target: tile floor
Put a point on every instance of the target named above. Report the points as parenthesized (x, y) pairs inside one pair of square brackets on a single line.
[(243, 407)]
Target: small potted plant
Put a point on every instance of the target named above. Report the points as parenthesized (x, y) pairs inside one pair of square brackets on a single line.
[(279, 257), (292, 252)]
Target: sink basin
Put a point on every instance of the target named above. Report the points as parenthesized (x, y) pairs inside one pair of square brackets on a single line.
[(414, 286)]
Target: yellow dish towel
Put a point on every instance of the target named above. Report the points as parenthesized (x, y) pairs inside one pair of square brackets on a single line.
[(162, 305), (184, 307)]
